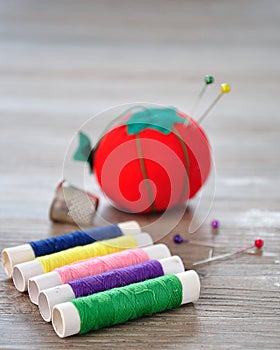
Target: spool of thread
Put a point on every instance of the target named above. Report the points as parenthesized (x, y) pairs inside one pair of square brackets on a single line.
[(22, 272), (48, 298), (94, 266), (119, 305), (28, 252)]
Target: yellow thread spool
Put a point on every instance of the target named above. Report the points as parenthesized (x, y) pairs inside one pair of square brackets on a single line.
[(68, 256)]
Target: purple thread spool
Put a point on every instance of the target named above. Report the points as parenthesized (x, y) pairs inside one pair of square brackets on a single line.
[(116, 278)]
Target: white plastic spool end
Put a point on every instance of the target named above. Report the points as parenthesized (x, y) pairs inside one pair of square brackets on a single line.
[(157, 251), (16, 255), (143, 240), (38, 283), (130, 228), (66, 320), (22, 273), (171, 265), (50, 297), (191, 286)]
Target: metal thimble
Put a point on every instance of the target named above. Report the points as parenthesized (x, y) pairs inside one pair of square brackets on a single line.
[(73, 205)]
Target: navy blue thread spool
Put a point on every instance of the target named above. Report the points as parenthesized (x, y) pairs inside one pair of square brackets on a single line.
[(27, 252)]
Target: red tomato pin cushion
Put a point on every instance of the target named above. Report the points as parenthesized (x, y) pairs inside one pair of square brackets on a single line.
[(153, 160)]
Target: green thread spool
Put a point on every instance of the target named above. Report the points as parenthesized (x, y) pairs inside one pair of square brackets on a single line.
[(107, 309), (122, 304)]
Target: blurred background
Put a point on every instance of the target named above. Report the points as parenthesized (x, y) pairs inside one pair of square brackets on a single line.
[(62, 62)]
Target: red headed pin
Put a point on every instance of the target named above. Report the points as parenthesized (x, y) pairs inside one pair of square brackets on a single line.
[(258, 244)]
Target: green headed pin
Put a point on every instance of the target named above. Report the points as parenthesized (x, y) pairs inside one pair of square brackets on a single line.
[(208, 79)]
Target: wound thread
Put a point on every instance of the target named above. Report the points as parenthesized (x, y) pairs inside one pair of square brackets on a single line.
[(52, 261), (101, 264), (73, 239), (116, 278), (119, 305)]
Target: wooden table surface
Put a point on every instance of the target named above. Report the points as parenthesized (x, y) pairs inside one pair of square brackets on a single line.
[(62, 62)]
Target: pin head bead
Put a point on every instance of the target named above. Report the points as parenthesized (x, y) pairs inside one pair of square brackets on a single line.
[(178, 239), (215, 224), (225, 88), (259, 243), (209, 79)]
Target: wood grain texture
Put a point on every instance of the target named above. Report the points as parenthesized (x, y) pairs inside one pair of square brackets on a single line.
[(61, 62)]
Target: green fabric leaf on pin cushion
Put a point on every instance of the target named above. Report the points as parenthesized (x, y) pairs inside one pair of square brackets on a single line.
[(160, 119), (84, 151)]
